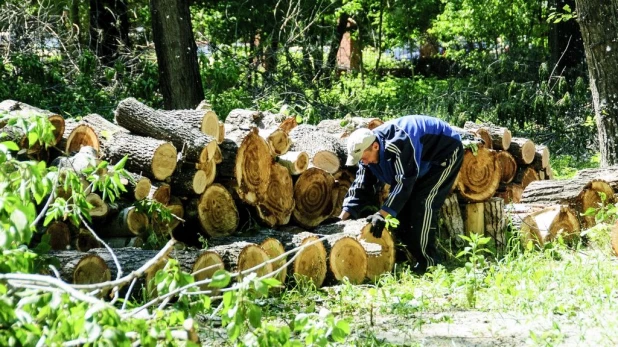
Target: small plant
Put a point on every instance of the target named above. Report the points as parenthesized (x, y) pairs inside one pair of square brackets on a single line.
[(476, 264)]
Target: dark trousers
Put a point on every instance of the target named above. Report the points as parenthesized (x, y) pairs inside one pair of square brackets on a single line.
[(418, 220)]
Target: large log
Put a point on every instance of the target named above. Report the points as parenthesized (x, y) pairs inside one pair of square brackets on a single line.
[(241, 256), (580, 193), (272, 246), (544, 226), (252, 167), (310, 262), (215, 210), (495, 221), (190, 181), (510, 193), (479, 175), (500, 137), (13, 107), (343, 181), (508, 166), (325, 151), (206, 121), (143, 120), (361, 230), (81, 268), (313, 196), (607, 174), (295, 162), (239, 122), (124, 221), (152, 157), (276, 205), (453, 222), (59, 235), (342, 128), (523, 150), (541, 157), (526, 175)]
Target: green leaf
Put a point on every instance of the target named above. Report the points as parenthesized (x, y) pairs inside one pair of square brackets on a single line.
[(20, 220), (32, 138), (10, 145), (121, 163), (220, 279), (255, 316)]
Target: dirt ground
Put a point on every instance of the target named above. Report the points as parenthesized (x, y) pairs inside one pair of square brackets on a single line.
[(468, 328), (473, 328)]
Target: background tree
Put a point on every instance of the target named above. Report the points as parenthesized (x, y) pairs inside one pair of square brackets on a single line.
[(179, 75), (599, 26), (109, 27)]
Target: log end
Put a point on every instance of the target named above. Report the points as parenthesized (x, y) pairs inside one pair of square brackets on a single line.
[(82, 135), (205, 267), (274, 248), (311, 261), (142, 188), (348, 258), (383, 263), (164, 161), (91, 269), (59, 235), (327, 161), (217, 211), (254, 255)]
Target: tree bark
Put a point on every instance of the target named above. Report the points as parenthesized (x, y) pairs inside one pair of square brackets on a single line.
[(109, 28), (179, 75), (599, 26), (325, 151)]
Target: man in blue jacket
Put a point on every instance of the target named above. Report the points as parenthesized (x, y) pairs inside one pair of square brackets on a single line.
[(419, 157)]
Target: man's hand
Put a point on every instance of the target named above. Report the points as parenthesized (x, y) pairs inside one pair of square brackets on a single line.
[(377, 224)]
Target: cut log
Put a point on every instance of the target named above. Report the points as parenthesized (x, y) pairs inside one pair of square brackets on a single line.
[(607, 174), (190, 181), (479, 175), (526, 175), (142, 187), (295, 162), (541, 157), (313, 196), (325, 151), (241, 256), (379, 260), (206, 121), (500, 137), (143, 120), (82, 135), (19, 108), (452, 222), (342, 128), (278, 140), (165, 228), (495, 221), (343, 181), (252, 167), (475, 218), (59, 235), (99, 209), (510, 193), (85, 241), (80, 268), (276, 205), (128, 222), (215, 210), (346, 259), (508, 166), (544, 226), (269, 243), (579, 193), (523, 150), (205, 266), (151, 157), (229, 151), (277, 120), (614, 238), (159, 191), (310, 262)]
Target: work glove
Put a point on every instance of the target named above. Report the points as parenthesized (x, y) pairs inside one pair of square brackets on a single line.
[(377, 224)]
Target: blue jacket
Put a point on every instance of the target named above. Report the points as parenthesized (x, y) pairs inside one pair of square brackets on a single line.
[(409, 146)]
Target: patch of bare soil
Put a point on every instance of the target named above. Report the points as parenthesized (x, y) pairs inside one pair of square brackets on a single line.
[(474, 328)]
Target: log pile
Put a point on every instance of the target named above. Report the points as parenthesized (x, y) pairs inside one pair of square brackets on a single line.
[(208, 176)]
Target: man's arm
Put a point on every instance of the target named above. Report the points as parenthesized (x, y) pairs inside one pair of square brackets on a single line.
[(361, 191)]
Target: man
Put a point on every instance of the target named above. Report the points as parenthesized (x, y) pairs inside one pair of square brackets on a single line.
[(419, 157)]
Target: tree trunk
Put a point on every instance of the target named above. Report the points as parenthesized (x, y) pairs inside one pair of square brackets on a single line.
[(179, 75), (495, 221), (331, 60), (599, 26), (565, 42)]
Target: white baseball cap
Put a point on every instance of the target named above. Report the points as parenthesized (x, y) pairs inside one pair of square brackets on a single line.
[(359, 141)]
